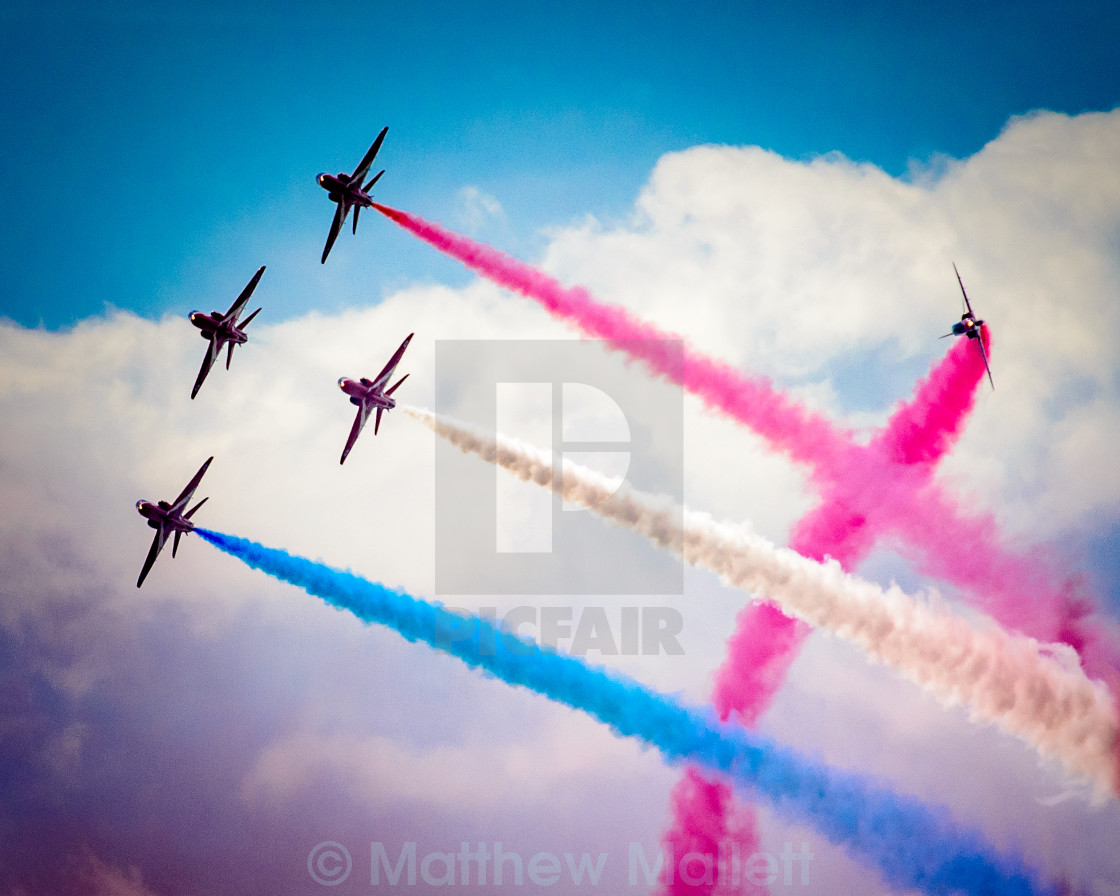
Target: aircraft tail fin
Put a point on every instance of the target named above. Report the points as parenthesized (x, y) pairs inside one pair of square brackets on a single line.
[(190, 512), (175, 544), (366, 188), (357, 208), (393, 388), (377, 422), (984, 356), (249, 319)]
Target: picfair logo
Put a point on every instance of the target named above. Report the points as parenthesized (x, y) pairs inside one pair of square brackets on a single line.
[(572, 400)]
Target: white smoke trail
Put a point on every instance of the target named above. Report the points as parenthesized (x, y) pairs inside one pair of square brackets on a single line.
[(1035, 692)]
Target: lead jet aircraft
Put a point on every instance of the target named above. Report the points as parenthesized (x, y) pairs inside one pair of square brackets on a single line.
[(372, 395), (221, 329), (346, 190), (167, 518), (969, 326)]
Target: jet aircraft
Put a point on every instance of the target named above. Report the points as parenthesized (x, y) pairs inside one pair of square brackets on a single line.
[(346, 190), (221, 329), (372, 395), (969, 326), (167, 518)]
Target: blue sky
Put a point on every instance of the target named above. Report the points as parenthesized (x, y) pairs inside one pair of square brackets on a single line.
[(150, 144), (686, 161)]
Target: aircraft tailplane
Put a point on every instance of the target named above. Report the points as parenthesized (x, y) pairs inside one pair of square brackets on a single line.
[(393, 388)]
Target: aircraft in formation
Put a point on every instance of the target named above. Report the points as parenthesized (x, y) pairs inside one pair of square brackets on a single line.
[(167, 518), (371, 395), (223, 329), (346, 191), (969, 326)]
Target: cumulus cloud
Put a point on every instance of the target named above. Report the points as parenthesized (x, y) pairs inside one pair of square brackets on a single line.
[(449, 777), (134, 721), (477, 209), (802, 269)]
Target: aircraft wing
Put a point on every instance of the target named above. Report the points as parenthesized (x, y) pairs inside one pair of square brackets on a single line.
[(359, 422), (967, 304), (363, 166), (336, 226), (157, 545), (212, 352), (185, 495), (242, 300), (387, 371), (984, 355)]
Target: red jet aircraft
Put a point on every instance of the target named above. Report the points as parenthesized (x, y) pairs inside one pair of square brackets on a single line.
[(221, 329), (167, 518), (346, 190), (970, 327), (372, 395)]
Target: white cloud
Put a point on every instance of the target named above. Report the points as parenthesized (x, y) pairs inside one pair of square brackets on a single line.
[(567, 754), (477, 209), (792, 269)]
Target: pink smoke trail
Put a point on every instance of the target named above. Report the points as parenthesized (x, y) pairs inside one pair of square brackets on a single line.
[(766, 641), (801, 434), (919, 432), (887, 489), (898, 496)]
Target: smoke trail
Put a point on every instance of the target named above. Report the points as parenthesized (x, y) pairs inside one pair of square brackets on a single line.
[(1021, 592), (912, 846), (918, 434), (766, 641), (804, 436), (1009, 680)]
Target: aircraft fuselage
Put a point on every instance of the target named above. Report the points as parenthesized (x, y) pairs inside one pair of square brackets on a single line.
[(365, 393), (213, 327), (160, 516), (342, 189), (968, 326)]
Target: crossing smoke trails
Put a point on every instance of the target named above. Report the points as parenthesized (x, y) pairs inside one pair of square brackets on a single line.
[(766, 641), (886, 488), (919, 433), (914, 847), (892, 495), (1006, 679)]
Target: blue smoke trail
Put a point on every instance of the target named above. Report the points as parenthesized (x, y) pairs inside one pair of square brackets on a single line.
[(914, 846)]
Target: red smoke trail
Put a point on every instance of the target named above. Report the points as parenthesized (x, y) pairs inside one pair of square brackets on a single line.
[(889, 490), (766, 641), (919, 434), (802, 435), (865, 492)]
